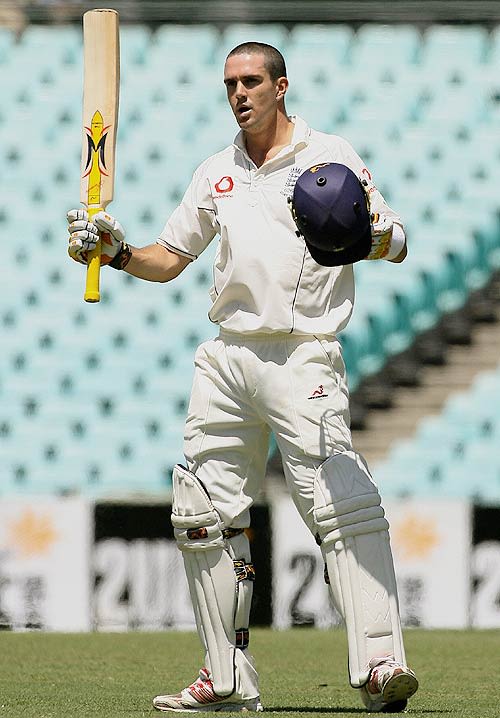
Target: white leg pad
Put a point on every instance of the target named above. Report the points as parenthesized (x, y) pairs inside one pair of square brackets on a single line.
[(355, 544), (213, 585)]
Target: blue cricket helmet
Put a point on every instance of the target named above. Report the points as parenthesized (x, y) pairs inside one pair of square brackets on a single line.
[(330, 209)]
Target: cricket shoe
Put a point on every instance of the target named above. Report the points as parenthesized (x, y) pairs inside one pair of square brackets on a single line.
[(200, 696), (389, 686)]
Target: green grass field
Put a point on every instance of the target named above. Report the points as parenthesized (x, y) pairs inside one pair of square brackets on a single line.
[(303, 671)]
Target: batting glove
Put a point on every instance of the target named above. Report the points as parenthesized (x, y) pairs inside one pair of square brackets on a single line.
[(84, 235), (382, 228)]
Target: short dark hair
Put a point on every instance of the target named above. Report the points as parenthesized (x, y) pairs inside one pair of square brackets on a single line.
[(274, 61)]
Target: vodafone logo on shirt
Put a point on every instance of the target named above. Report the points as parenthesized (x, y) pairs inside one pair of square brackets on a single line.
[(224, 185)]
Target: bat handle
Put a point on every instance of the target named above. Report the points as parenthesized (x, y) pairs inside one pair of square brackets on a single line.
[(92, 294)]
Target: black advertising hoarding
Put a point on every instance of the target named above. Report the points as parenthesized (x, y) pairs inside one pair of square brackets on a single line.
[(485, 604), (139, 581)]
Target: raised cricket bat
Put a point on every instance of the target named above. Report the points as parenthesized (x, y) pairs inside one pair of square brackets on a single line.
[(101, 82)]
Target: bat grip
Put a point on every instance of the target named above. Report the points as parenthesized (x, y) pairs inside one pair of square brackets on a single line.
[(92, 294)]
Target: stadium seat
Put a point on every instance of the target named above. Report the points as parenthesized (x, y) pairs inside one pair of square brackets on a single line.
[(135, 42), (457, 110), (363, 332), (351, 352), (385, 47), (410, 471), (186, 43), (462, 411), (51, 44), (450, 46), (476, 475), (435, 431), (237, 33), (323, 111), (332, 42), (7, 39)]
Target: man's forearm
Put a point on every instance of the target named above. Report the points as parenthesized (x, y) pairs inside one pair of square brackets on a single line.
[(155, 263)]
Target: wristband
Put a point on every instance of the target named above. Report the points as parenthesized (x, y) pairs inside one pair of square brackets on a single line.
[(122, 258), (397, 244)]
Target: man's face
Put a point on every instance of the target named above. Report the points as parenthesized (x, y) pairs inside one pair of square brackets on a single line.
[(250, 91)]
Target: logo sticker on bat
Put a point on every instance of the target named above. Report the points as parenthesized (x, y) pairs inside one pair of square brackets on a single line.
[(96, 162)]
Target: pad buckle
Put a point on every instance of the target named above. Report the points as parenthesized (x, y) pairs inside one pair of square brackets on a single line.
[(244, 571), (242, 638)]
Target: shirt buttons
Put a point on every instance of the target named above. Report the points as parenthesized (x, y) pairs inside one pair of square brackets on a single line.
[(253, 194)]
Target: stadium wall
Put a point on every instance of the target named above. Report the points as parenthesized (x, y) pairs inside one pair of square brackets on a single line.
[(71, 565)]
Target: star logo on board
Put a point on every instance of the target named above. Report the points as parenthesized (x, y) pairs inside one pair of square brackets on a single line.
[(32, 534), (415, 537)]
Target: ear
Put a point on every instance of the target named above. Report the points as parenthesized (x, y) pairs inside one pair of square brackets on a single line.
[(281, 87)]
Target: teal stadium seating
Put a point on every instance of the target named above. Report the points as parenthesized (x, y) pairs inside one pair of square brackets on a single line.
[(93, 398), (454, 453)]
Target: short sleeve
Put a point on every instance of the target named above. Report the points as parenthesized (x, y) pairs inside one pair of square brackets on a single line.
[(193, 224)]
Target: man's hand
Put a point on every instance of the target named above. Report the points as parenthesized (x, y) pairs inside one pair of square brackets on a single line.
[(382, 228), (84, 235)]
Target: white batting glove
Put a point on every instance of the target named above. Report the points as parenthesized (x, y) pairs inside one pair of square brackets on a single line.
[(382, 228), (84, 235)]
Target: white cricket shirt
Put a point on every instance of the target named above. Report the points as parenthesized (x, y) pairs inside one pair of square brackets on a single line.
[(265, 280)]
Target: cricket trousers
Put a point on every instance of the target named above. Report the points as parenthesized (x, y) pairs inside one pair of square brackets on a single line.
[(246, 387)]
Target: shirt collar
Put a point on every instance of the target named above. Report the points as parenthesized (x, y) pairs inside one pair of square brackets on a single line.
[(300, 138)]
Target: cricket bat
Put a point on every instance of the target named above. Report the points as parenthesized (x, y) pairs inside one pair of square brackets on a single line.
[(101, 81)]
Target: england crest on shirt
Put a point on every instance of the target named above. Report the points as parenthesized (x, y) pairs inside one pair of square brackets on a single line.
[(292, 178)]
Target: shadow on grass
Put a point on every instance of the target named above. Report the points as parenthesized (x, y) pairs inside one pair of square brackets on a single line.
[(336, 709), (305, 709)]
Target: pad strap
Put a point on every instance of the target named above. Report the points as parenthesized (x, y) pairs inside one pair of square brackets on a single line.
[(244, 571), (242, 638), (231, 533)]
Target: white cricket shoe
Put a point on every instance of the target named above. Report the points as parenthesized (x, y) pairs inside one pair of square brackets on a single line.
[(389, 686), (200, 696)]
